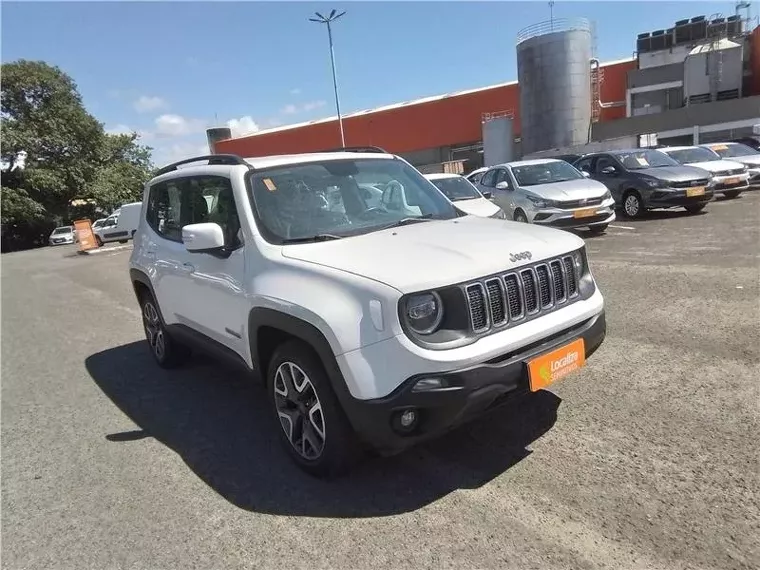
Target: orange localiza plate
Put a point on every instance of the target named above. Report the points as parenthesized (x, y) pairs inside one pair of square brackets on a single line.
[(696, 191), (552, 366), (585, 213)]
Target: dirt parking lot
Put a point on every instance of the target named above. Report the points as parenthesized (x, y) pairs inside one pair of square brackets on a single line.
[(648, 458)]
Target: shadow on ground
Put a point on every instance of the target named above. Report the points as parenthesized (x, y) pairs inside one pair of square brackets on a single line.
[(216, 419)]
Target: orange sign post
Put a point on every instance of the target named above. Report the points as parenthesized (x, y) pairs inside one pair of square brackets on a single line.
[(86, 238)]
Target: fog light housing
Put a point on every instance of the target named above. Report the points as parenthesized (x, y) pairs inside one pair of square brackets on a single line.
[(406, 421), (425, 384)]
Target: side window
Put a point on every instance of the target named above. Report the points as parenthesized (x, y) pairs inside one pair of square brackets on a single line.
[(163, 212), (210, 199), (475, 178), (584, 165), (604, 162), (489, 178)]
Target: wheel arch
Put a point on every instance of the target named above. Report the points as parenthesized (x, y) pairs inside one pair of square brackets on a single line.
[(268, 328), (141, 284)]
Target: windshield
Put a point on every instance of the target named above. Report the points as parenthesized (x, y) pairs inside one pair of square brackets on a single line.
[(545, 173), (689, 155), (641, 159), (731, 150), (457, 188), (63, 230), (334, 198)]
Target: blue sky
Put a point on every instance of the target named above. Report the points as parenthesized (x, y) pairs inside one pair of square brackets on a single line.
[(169, 69)]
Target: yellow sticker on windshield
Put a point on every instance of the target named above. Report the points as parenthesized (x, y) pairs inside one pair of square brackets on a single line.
[(719, 147), (642, 161), (269, 184)]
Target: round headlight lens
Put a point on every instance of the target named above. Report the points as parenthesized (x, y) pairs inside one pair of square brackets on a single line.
[(423, 312)]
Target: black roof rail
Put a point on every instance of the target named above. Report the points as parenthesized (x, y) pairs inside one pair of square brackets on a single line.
[(225, 159), (376, 149)]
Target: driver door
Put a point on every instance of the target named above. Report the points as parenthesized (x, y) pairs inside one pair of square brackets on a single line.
[(610, 173), (504, 197)]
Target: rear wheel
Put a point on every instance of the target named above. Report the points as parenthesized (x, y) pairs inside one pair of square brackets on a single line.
[(521, 217), (632, 205), (731, 194), (695, 208), (166, 350), (313, 428)]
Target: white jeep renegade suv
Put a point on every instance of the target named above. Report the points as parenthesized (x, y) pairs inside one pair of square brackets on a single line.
[(373, 325)]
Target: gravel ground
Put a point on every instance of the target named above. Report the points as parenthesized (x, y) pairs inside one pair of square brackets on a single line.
[(648, 458)]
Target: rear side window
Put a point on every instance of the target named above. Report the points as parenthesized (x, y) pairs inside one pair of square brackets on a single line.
[(164, 211)]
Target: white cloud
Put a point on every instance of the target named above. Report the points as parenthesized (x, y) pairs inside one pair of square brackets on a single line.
[(295, 91), (177, 126), (120, 130), (172, 153), (242, 126), (313, 105), (292, 109), (144, 104)]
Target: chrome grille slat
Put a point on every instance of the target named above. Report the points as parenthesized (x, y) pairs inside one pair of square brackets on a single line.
[(497, 304), (525, 293), (476, 298)]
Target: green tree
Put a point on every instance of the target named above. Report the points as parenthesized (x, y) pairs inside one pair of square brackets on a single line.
[(70, 157)]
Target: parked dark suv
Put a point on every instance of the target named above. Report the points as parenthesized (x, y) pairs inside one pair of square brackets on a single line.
[(642, 179)]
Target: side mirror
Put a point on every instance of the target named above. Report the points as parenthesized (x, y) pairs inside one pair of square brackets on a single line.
[(503, 186), (586, 174), (203, 238), (609, 171), (487, 195)]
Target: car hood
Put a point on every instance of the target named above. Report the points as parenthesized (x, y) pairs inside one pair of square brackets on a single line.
[(477, 207), (673, 173), (569, 190), (717, 165), (436, 253), (751, 160), (61, 236)]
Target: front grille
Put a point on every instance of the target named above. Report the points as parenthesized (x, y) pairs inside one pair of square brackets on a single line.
[(505, 299), (580, 203), (733, 172), (689, 183)]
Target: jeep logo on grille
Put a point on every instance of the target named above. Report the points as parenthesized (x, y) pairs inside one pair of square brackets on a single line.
[(520, 256)]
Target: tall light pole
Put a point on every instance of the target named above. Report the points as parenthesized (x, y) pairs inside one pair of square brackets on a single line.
[(320, 19)]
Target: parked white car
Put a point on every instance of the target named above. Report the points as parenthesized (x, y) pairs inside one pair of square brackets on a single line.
[(465, 196), (729, 177), (476, 175), (62, 236), (550, 192), (738, 152), (370, 326), (98, 223), (119, 226)]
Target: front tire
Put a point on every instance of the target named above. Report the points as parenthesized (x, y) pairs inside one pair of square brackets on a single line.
[(312, 426), (731, 194), (167, 352), (633, 207), (695, 208), (598, 230), (521, 217)]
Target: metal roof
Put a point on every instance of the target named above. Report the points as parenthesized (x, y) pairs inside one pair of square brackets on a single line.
[(402, 104)]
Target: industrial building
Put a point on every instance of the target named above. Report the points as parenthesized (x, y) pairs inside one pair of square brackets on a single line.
[(695, 82)]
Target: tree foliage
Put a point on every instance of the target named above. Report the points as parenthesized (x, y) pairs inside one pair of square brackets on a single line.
[(69, 155)]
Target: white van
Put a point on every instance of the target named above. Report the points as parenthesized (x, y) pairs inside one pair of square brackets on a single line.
[(121, 225)]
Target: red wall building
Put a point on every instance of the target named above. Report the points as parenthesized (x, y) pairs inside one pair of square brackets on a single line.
[(450, 120)]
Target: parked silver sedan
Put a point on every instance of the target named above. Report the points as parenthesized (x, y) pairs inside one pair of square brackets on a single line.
[(549, 192)]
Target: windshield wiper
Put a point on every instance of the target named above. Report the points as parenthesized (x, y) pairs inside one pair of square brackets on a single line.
[(311, 239), (407, 221), (461, 198)]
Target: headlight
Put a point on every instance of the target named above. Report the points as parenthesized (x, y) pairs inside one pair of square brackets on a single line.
[(654, 183), (423, 312), (500, 215), (579, 258), (607, 195), (539, 202)]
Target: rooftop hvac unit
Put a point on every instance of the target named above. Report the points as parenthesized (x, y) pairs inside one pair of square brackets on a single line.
[(716, 28), (658, 40), (698, 28), (669, 38), (682, 32), (643, 43), (734, 24)]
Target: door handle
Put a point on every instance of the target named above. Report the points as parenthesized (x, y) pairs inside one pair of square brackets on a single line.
[(187, 267)]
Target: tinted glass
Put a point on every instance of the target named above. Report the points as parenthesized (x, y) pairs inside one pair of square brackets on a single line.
[(545, 173), (456, 188), (689, 155), (732, 150), (641, 159)]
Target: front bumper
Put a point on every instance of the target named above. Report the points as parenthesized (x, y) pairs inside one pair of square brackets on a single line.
[(604, 213), (676, 197), (728, 183), (470, 392), (61, 241)]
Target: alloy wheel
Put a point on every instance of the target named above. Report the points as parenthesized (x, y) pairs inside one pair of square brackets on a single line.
[(632, 205), (154, 331), (299, 410)]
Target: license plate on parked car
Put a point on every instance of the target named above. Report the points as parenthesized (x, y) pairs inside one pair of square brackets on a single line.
[(552, 366), (584, 213), (696, 191), (733, 180)]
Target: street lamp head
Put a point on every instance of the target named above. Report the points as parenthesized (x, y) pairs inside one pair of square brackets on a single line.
[(320, 19)]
